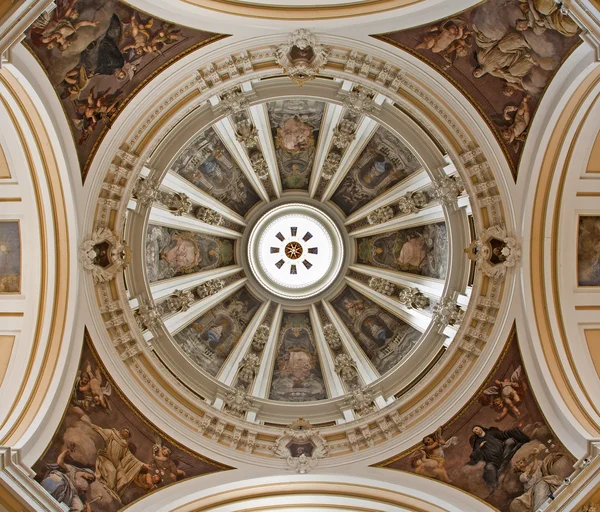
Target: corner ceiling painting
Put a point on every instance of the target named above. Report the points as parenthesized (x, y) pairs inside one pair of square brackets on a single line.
[(97, 54), (104, 455), (502, 54), (207, 164), (209, 339), (295, 126), (422, 250), (498, 448), (383, 338), (383, 163), (297, 376), (172, 252)]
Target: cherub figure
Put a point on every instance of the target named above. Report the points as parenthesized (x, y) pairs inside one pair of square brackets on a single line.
[(61, 31), (140, 32), (89, 386), (92, 110), (517, 130), (450, 39), (506, 395), (430, 460), (164, 465)]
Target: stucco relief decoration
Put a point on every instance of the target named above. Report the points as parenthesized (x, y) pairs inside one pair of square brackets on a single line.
[(495, 252), (302, 57), (301, 446), (103, 255)]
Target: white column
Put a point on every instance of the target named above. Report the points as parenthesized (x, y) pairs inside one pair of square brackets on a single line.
[(333, 114), (413, 317), (426, 216), (334, 384), (364, 132), (365, 367), (226, 131), (428, 285), (177, 183), (417, 180), (160, 216), (229, 369), (262, 381), (182, 319), (260, 118)]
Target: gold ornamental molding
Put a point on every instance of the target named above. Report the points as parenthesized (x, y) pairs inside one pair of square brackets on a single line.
[(317, 11)]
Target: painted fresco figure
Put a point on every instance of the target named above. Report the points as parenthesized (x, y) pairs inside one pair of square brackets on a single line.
[(538, 481), (495, 447), (102, 56), (541, 15), (376, 329), (69, 484)]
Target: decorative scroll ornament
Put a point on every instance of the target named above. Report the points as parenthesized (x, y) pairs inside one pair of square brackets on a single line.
[(494, 252), (209, 288), (246, 133), (232, 101), (330, 166), (332, 337), (361, 401), (447, 189), (145, 191), (103, 254), (237, 402), (302, 57), (448, 312), (176, 202), (260, 166), (382, 286), (344, 133), (301, 446), (413, 298), (261, 336), (360, 100), (380, 215), (346, 367), (413, 202), (147, 315)]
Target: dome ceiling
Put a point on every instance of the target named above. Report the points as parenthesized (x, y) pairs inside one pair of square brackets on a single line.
[(319, 292)]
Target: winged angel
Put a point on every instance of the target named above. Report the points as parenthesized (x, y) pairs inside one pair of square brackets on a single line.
[(165, 463), (506, 395), (430, 459), (89, 389)]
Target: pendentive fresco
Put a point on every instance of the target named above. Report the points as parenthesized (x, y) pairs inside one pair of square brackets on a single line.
[(297, 376), (422, 250), (295, 125), (498, 448), (383, 163), (384, 338), (207, 164), (209, 339), (97, 53), (502, 54), (104, 455), (173, 252)]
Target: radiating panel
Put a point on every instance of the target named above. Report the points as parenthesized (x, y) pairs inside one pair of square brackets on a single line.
[(295, 125), (209, 339), (10, 257), (384, 338), (297, 376), (588, 251), (172, 252), (207, 164), (383, 163), (422, 250)]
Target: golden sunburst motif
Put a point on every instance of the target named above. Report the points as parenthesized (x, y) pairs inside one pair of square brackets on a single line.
[(293, 250)]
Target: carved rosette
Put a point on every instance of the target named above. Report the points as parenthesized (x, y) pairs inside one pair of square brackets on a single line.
[(260, 166), (331, 164), (145, 191), (380, 215), (302, 57), (103, 255), (246, 133), (413, 298), (494, 252), (232, 101), (261, 336), (208, 216), (209, 288), (382, 286), (148, 315), (248, 368), (361, 401), (448, 312), (176, 202), (332, 337), (447, 189), (413, 202), (360, 100), (346, 367), (180, 300), (237, 402)]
